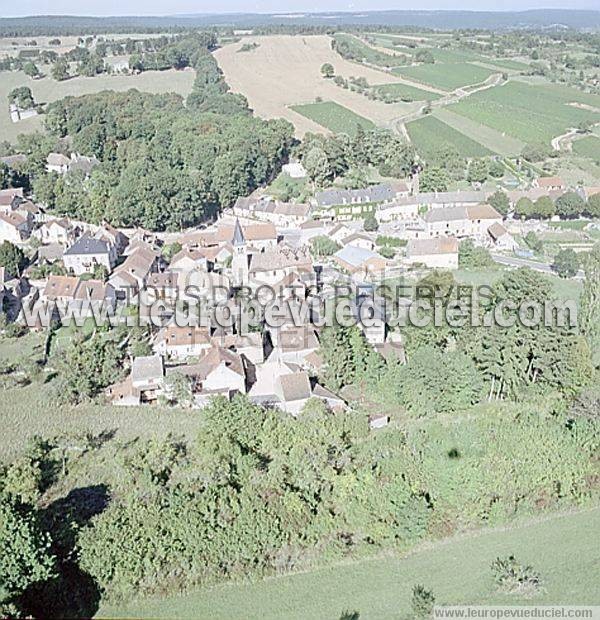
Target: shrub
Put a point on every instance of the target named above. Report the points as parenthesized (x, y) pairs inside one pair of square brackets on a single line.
[(515, 578), (422, 602)]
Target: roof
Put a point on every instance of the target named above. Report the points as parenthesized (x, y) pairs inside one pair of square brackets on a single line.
[(60, 286), (439, 245), (355, 256), (356, 236), (298, 339), (93, 290), (550, 182), (238, 235), (147, 367), (57, 159), (429, 198), (497, 230), (13, 219), (483, 212), (311, 224), (83, 164), (374, 193), (176, 336), (139, 263), (215, 357), (88, 245), (167, 279), (295, 386), (280, 257), (8, 195)]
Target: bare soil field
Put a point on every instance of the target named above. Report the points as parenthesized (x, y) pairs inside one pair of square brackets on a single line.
[(285, 71)]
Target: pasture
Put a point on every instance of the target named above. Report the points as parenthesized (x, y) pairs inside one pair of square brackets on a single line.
[(456, 569), (46, 90), (531, 113), (449, 76), (588, 147), (334, 117), (285, 71), (366, 53), (428, 134)]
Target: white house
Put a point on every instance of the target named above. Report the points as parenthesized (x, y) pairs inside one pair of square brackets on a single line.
[(438, 253), (177, 342), (86, 254)]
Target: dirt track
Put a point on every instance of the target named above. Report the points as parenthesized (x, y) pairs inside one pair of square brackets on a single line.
[(285, 70)]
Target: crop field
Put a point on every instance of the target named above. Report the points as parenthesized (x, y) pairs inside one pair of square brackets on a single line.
[(405, 90), (46, 90), (333, 116), (532, 113), (456, 569), (448, 76), (286, 71), (588, 147), (362, 51), (428, 134)]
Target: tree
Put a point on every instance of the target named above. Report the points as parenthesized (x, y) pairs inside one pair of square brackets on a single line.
[(30, 69), (21, 97), (471, 256), (323, 245), (592, 208), (317, 166), (566, 263), (524, 208), (370, 222), (543, 208), (496, 169), (477, 171), (570, 205), (327, 70), (535, 152), (589, 315), (24, 549), (434, 180), (422, 602), (424, 56), (499, 200), (534, 242), (60, 70), (12, 259)]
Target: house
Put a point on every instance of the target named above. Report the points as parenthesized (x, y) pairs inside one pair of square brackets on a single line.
[(115, 238), (9, 198), (249, 345), (139, 265), (259, 235), (177, 342), (359, 240), (86, 254), (60, 288), (357, 260), (57, 162), (279, 213), (335, 197), (550, 183), (147, 376), (188, 259), (437, 253), (91, 295), (164, 285), (221, 370), (14, 227), (295, 170), (340, 232), (294, 343), (50, 253), (56, 231), (471, 221), (274, 265), (378, 420), (123, 394), (501, 238)]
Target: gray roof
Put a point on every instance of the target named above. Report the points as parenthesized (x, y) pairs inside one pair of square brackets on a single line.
[(87, 245), (148, 367), (355, 256), (429, 198), (374, 193), (238, 234)]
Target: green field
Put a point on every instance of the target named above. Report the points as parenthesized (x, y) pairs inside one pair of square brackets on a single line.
[(46, 90), (457, 570), (532, 113), (588, 147), (448, 76), (360, 51), (405, 90), (428, 134), (333, 116)]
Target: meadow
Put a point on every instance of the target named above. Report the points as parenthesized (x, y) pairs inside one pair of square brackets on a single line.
[(46, 90), (333, 116), (362, 52), (456, 569), (532, 113), (588, 147), (449, 76), (428, 134)]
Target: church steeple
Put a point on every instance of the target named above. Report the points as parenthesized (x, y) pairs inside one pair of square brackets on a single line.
[(239, 263), (238, 234)]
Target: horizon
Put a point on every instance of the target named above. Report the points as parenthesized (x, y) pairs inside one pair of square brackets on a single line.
[(260, 8)]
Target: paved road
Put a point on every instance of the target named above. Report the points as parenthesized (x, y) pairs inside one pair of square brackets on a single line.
[(513, 261)]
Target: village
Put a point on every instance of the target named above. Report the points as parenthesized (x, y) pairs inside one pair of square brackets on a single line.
[(259, 244)]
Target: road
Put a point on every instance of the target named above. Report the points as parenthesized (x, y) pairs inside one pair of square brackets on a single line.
[(513, 261)]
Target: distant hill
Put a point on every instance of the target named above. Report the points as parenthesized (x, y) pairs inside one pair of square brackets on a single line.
[(443, 20)]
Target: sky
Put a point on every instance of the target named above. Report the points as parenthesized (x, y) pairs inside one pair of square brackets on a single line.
[(173, 7)]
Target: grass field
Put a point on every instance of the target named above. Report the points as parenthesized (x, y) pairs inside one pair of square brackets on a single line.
[(405, 90), (532, 113), (588, 147), (490, 138), (448, 76), (363, 52), (428, 134), (456, 569), (333, 116), (46, 90)]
